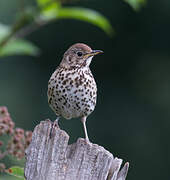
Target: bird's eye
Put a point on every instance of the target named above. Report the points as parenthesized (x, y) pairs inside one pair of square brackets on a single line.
[(79, 54)]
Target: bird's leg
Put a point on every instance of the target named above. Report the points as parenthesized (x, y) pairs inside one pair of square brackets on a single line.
[(54, 124), (83, 120)]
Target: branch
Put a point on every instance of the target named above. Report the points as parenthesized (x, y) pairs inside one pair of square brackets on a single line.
[(30, 28), (53, 159)]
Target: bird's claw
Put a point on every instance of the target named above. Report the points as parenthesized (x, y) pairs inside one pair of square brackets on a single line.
[(54, 124)]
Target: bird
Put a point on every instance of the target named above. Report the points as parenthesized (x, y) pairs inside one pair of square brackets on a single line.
[(72, 90)]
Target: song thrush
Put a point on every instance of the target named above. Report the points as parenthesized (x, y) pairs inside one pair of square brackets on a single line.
[(72, 90)]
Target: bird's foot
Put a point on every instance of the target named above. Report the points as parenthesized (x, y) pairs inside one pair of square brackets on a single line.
[(53, 126), (87, 141)]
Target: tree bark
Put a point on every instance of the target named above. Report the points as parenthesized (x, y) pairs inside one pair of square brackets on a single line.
[(51, 158)]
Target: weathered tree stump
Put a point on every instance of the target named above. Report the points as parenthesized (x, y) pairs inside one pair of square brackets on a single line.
[(53, 159)]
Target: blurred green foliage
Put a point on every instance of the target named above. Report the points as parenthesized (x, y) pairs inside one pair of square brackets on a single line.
[(32, 17), (14, 45), (51, 9), (44, 12)]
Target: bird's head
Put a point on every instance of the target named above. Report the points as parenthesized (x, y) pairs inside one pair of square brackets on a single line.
[(78, 55)]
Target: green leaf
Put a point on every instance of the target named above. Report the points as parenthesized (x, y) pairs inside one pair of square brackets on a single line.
[(16, 171), (19, 47), (15, 46), (87, 15), (136, 4), (52, 9), (48, 8)]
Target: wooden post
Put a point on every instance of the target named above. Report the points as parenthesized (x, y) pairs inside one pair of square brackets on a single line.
[(53, 159)]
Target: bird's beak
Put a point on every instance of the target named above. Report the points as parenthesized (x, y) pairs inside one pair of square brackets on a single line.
[(93, 53)]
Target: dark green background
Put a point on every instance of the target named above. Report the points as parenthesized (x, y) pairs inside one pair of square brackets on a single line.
[(132, 116)]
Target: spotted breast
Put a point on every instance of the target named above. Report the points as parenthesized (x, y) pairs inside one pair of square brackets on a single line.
[(72, 93)]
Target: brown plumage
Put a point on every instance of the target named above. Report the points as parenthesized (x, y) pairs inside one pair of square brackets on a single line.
[(72, 90)]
